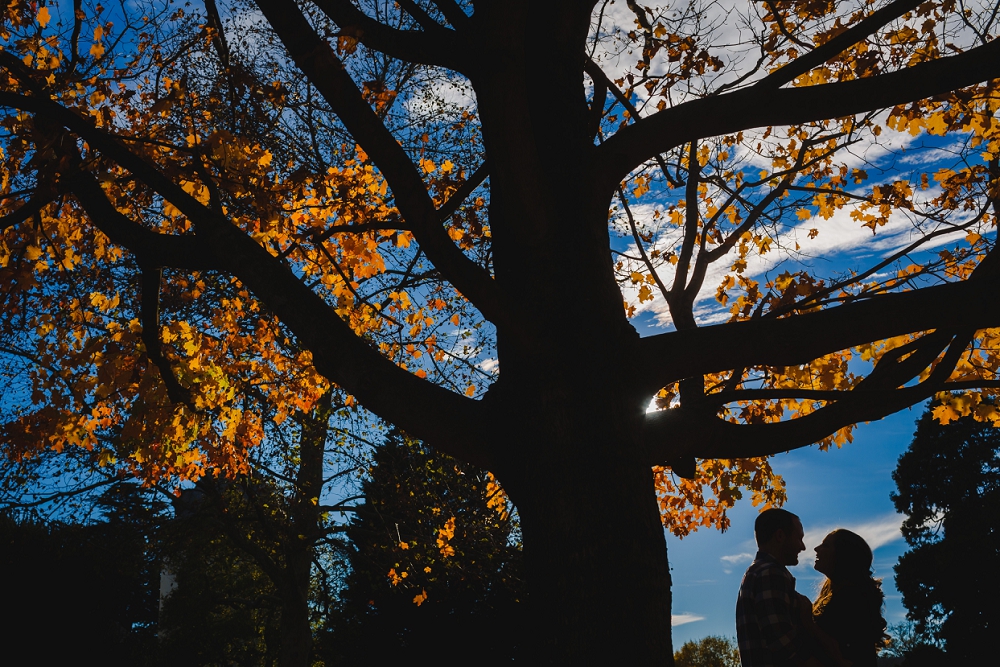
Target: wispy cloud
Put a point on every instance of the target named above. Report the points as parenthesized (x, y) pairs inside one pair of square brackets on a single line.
[(681, 619), (877, 532), (733, 559)]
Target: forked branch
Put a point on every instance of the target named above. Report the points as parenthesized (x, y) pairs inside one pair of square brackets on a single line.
[(150, 306), (434, 45), (968, 305)]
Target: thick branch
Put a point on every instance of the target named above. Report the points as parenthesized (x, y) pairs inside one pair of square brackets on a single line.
[(760, 106), (452, 422), (26, 210), (697, 431), (838, 44), (455, 15), (318, 62), (678, 433), (967, 305), (187, 251), (435, 45)]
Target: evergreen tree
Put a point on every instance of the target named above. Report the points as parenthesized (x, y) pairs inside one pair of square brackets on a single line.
[(949, 487), (435, 561), (73, 590)]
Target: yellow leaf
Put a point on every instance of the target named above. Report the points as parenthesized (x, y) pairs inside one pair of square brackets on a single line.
[(470, 391), (447, 166), (419, 599), (972, 238), (43, 16), (803, 214), (97, 50), (944, 414)]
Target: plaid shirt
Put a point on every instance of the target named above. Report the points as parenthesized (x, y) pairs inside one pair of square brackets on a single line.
[(767, 627)]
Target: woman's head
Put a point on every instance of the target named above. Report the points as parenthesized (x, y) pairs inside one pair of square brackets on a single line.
[(846, 560), (844, 555)]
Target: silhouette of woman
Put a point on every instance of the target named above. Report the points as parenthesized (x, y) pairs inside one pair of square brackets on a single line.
[(848, 611)]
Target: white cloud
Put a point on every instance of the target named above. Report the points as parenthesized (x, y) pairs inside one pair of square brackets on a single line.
[(842, 241), (686, 617), (733, 559), (877, 533)]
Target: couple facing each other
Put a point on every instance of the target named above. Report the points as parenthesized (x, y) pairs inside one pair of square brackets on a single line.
[(778, 627)]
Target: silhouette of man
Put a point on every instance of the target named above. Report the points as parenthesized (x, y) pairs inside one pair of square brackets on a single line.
[(769, 628)]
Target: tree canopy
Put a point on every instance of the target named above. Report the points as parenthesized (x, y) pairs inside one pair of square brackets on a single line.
[(948, 485), (434, 559), (450, 211)]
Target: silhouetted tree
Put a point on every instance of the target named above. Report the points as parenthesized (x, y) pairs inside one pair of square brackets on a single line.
[(436, 561), (949, 487), (72, 590), (222, 608), (712, 651)]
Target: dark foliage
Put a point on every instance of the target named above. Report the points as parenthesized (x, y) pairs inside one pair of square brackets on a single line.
[(222, 607), (711, 651), (466, 574), (71, 591), (949, 486)]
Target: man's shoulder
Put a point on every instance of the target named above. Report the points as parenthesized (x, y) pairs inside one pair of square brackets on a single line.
[(764, 566)]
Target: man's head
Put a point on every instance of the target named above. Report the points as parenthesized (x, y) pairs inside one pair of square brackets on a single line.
[(779, 533)]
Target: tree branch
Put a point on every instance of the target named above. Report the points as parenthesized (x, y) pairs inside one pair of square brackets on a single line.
[(26, 210), (434, 45), (760, 106), (150, 307), (838, 44), (318, 62), (464, 190), (453, 423), (188, 251), (967, 305), (453, 13), (679, 432), (697, 431)]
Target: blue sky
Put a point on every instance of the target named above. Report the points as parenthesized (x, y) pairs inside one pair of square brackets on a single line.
[(846, 488)]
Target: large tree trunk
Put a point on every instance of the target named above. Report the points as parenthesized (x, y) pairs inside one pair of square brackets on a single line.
[(296, 633), (596, 566), (595, 554)]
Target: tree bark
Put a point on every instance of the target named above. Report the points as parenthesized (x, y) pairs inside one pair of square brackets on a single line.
[(596, 566), (595, 554), (306, 527), (295, 631)]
